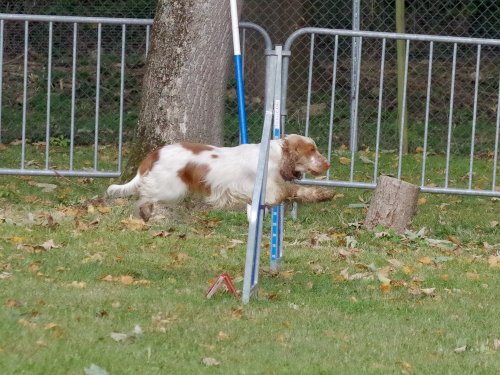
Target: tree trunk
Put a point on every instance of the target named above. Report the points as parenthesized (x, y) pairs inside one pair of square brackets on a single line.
[(393, 204), (186, 76)]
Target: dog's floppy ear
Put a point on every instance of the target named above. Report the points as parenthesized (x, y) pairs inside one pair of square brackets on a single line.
[(289, 161)]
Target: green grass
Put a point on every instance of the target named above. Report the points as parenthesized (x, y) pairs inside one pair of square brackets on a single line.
[(58, 312)]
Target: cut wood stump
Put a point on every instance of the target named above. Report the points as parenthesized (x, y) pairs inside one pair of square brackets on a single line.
[(393, 204)]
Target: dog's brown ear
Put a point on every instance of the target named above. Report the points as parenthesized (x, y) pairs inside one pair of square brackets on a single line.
[(288, 162)]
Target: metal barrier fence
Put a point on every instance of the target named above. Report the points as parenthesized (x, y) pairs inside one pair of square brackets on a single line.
[(401, 165), (68, 85), (73, 80), (433, 68)]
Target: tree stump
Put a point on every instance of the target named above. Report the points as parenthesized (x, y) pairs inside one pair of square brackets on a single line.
[(393, 204)]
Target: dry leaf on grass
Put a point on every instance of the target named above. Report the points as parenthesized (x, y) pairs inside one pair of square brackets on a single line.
[(460, 349), (95, 370), (48, 245), (133, 224), (345, 161), (426, 260), (209, 361), (5, 275), (136, 332), (494, 261)]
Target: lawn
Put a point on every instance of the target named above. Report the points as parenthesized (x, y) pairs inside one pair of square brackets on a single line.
[(85, 286)]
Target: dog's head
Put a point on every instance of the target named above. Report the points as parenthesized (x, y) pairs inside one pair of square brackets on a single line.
[(301, 155)]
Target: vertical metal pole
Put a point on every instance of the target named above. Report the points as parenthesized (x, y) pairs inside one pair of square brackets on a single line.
[(427, 110), (332, 102), (1, 75), (49, 86), (240, 87), (356, 52), (450, 117), (147, 40), (309, 84), (354, 146), (252, 258), (25, 94), (497, 138), (277, 211), (73, 96), (379, 114), (122, 91), (97, 94), (403, 107), (243, 47), (474, 116)]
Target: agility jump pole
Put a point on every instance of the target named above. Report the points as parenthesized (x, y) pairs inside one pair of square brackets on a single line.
[(238, 66)]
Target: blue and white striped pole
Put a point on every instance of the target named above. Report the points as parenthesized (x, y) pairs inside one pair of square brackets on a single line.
[(238, 65)]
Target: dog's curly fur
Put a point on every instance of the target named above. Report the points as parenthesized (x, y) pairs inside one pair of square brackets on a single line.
[(225, 176)]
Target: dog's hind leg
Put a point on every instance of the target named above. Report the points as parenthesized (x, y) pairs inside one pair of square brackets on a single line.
[(144, 209)]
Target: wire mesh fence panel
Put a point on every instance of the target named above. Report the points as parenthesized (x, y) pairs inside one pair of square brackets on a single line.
[(479, 18)]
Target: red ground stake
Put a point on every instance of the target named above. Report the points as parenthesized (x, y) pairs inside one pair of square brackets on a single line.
[(224, 277)]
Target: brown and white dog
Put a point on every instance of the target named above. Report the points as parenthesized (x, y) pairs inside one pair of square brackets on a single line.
[(225, 176)]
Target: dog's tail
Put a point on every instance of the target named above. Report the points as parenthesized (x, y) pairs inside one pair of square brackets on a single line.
[(125, 190)]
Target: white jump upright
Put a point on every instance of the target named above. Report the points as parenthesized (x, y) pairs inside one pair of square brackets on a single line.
[(272, 112)]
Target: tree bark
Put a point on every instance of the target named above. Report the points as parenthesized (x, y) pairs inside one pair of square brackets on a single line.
[(393, 205), (185, 78)]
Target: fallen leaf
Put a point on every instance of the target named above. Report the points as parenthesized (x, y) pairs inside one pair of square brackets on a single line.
[(428, 291), (162, 234), (46, 188), (78, 284), (494, 261), (133, 224), (407, 270), (365, 160), (344, 275), (426, 260), (382, 234), (5, 275), (385, 287), (95, 370), (222, 336), (237, 312), (293, 306), (351, 242), (496, 344), (317, 268), (13, 303), (34, 266), (473, 276), (48, 245), (136, 332), (97, 257), (443, 244), (104, 209), (209, 361), (345, 161), (396, 263), (422, 201), (126, 280)]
